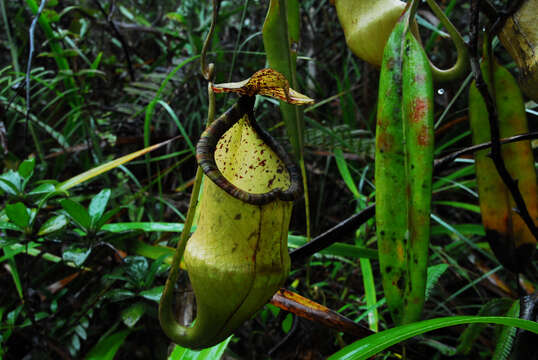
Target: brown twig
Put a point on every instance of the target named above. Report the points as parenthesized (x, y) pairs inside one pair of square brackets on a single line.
[(332, 235), (442, 163)]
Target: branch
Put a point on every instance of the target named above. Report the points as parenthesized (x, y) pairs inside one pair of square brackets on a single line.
[(442, 163), (332, 235)]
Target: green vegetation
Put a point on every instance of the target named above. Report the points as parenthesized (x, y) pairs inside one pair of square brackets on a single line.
[(98, 165)]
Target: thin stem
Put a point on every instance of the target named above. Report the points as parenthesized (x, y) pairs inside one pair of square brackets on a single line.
[(442, 163), (166, 313), (167, 318)]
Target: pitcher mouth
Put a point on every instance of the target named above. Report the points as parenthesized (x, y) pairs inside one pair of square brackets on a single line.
[(205, 154)]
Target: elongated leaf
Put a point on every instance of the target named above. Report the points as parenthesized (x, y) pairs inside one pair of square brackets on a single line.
[(371, 345), (280, 36), (10, 182), (145, 226), (55, 223), (133, 313), (344, 172), (77, 212), (87, 175), (98, 205), (506, 337), (26, 168), (212, 353), (153, 294), (18, 214), (108, 346), (9, 253)]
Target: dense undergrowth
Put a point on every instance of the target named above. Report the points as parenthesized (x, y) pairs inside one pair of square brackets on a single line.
[(83, 264)]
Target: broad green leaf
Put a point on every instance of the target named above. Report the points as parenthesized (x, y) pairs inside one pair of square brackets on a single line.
[(43, 189), (287, 323), (53, 224), (153, 294), (153, 269), (76, 255), (11, 182), (108, 346), (9, 226), (81, 332), (136, 268), (119, 295), (373, 344), (26, 168), (98, 205), (105, 217), (11, 250), (18, 214), (77, 212), (212, 353), (133, 313)]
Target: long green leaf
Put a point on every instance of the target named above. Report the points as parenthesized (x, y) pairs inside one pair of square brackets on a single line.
[(280, 35), (87, 175), (280, 38), (373, 344), (212, 353), (108, 346)]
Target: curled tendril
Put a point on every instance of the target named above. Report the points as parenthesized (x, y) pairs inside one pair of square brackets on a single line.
[(208, 70), (462, 62)]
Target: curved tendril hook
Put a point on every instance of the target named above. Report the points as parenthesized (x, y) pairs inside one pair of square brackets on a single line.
[(462, 62), (208, 70)]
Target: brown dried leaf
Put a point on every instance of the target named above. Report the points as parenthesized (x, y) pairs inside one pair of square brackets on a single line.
[(311, 310)]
